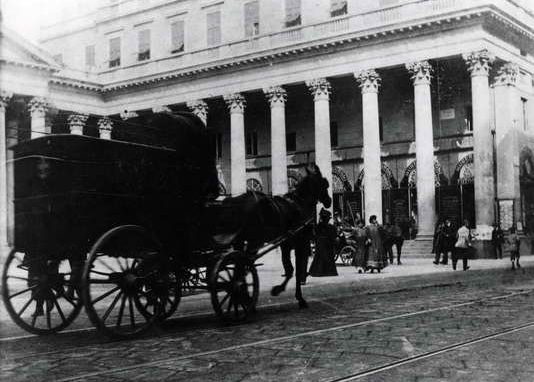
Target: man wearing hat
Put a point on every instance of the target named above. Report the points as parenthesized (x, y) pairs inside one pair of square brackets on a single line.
[(323, 263)]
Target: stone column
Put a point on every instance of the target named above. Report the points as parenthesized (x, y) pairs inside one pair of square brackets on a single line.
[(105, 126), (478, 63), (236, 104), (77, 123), (369, 81), (200, 109), (277, 96), (424, 152), (320, 89), (4, 100), (507, 116), (37, 106)]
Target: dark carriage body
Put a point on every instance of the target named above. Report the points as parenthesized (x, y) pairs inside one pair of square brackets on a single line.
[(70, 189)]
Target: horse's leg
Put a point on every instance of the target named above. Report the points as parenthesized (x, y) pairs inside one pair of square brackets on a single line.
[(288, 270), (302, 252)]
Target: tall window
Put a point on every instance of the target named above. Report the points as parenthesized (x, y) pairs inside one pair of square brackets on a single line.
[(143, 52), (177, 36), (339, 8), (114, 52), (214, 28), (291, 141), (293, 13), (90, 55), (252, 143), (333, 134), (252, 18)]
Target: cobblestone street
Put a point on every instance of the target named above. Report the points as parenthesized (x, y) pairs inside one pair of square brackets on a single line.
[(442, 326)]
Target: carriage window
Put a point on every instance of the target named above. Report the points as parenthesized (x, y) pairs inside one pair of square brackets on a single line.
[(144, 45), (252, 143), (338, 8), (291, 141), (114, 52), (333, 134), (293, 13), (177, 36), (214, 28), (218, 145), (90, 56), (252, 18)]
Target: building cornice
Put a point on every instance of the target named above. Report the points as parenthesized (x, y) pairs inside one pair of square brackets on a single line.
[(29, 65)]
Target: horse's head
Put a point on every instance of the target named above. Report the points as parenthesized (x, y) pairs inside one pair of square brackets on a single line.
[(315, 186)]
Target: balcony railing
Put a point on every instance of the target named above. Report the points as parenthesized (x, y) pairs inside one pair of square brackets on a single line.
[(353, 24)]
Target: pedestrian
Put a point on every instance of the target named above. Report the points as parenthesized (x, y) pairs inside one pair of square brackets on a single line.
[(448, 239), (462, 247), (388, 242), (398, 240), (497, 240), (375, 245), (359, 238), (514, 243), (437, 241), (323, 263)]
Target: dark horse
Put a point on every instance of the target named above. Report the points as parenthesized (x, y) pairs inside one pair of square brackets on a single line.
[(263, 219)]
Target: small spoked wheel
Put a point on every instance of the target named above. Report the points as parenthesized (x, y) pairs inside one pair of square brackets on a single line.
[(167, 293), (125, 283), (234, 287), (347, 254), (193, 279), (40, 295)]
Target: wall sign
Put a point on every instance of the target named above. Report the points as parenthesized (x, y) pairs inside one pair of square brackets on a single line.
[(447, 114)]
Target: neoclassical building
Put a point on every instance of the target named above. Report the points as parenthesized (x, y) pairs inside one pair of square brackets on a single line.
[(414, 109)]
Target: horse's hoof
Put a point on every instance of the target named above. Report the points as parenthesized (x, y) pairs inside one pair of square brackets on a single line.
[(303, 304), (276, 290)]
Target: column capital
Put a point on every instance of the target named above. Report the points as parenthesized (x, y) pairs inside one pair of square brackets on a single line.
[(421, 72), (236, 102), (38, 106), (5, 97), (161, 109), (126, 114), (478, 63), (369, 80), (199, 108), (507, 74), (105, 125), (77, 122), (320, 88), (276, 95)]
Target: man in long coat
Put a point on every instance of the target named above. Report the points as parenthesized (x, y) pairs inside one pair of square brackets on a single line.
[(375, 243)]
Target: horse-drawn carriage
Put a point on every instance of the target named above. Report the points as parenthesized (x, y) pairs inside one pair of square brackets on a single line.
[(121, 227)]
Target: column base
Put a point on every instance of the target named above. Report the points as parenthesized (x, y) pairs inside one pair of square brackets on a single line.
[(424, 237)]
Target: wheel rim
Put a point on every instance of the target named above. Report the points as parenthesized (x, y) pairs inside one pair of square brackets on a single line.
[(40, 296), (121, 284), (234, 288), (162, 295)]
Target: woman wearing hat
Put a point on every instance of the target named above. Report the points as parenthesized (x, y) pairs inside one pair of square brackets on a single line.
[(323, 263)]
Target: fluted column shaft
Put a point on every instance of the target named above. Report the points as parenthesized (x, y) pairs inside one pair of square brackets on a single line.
[(277, 99), (37, 107), (236, 105), (320, 89), (424, 141), (4, 99), (479, 64), (369, 81)]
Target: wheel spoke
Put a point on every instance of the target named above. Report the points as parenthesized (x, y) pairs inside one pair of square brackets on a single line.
[(121, 310), (17, 277), (25, 306), (48, 321), (100, 273), (69, 300), (34, 318), (120, 264), (109, 292), (101, 281), (59, 310), (111, 307), (106, 265), (22, 291), (132, 318)]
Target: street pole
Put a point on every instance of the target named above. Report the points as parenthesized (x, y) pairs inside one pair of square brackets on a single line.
[(496, 212)]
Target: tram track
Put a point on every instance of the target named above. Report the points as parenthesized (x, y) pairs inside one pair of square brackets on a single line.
[(351, 377)]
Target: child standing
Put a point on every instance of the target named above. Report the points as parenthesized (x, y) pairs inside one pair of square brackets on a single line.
[(514, 243)]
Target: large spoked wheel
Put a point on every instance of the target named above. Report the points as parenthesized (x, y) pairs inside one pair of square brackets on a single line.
[(167, 293), (347, 254), (234, 287), (41, 296), (125, 282)]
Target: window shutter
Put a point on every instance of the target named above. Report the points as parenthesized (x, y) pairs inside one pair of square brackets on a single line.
[(177, 36), (214, 28), (252, 18)]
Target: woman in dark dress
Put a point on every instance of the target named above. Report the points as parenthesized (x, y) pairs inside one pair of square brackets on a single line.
[(323, 263)]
